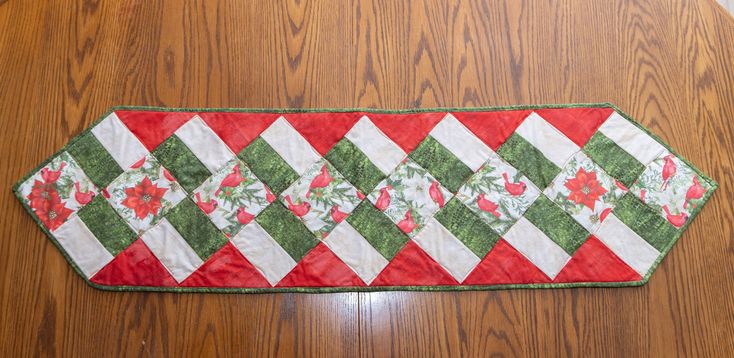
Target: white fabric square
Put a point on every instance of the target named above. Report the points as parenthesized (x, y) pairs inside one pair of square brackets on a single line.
[(631, 138), (381, 151), (352, 248), (172, 250), (82, 246), (548, 139), (205, 144), (290, 145), (537, 247), (116, 138), (626, 244), (461, 142), (447, 250), (263, 252)]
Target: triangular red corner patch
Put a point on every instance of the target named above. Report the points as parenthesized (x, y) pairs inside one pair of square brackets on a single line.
[(406, 130), (152, 128), (493, 128), (413, 267), (595, 262), (237, 130), (134, 266), (226, 268), (323, 130), (320, 268), (505, 265), (578, 124)]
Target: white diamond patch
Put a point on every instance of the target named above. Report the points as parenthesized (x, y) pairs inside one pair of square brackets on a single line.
[(352, 248), (537, 247), (290, 145), (380, 150), (447, 250), (461, 142), (205, 144), (172, 250)]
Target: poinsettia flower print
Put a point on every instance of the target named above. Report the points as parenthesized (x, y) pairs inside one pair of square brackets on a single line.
[(42, 192), (585, 188), (53, 213), (48, 206), (144, 198), (57, 190), (585, 191)]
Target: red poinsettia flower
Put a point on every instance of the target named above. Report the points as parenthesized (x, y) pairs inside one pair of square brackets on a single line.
[(53, 212), (144, 198), (41, 193), (585, 189)]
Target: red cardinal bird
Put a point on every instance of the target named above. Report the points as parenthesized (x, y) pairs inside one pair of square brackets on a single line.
[(138, 164), (269, 195), (168, 175), (488, 206), (82, 197), (338, 215), (51, 176), (694, 192), (436, 194), (297, 209), (604, 214), (320, 181), (407, 224), (676, 220), (206, 207), (383, 201), (243, 217), (514, 189), (232, 179), (669, 169), (642, 195)]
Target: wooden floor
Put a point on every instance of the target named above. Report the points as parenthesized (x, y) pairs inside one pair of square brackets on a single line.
[(670, 64)]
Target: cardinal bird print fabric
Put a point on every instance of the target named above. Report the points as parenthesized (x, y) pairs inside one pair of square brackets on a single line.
[(222, 200)]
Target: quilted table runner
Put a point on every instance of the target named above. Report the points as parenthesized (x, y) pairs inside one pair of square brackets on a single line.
[(330, 200)]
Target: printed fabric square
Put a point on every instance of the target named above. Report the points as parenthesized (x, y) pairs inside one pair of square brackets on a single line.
[(144, 193), (498, 194), (585, 191), (672, 188), (58, 190), (232, 197), (321, 198), (409, 197)]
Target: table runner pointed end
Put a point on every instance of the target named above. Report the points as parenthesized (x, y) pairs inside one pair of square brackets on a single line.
[(213, 200)]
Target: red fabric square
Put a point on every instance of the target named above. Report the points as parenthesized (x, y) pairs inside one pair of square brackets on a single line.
[(226, 268), (413, 267), (595, 262), (320, 268), (493, 128), (578, 124), (505, 265), (237, 130), (153, 128), (134, 266), (323, 130), (406, 130)]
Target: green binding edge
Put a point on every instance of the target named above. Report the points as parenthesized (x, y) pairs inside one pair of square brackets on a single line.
[(644, 280)]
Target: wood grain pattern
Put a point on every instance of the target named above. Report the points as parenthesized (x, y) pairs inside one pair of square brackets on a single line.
[(667, 63)]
